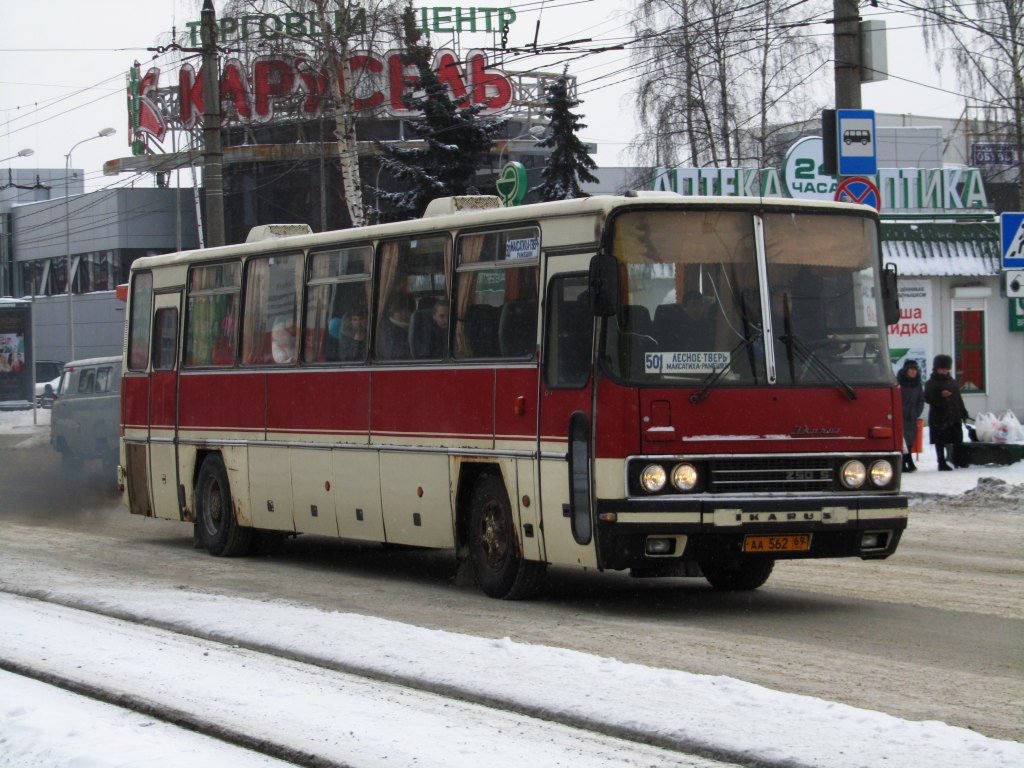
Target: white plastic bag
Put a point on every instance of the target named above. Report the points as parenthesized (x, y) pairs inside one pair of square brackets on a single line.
[(985, 425), (1009, 430)]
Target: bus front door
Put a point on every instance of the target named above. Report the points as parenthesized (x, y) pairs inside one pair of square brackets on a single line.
[(163, 407), (565, 415)]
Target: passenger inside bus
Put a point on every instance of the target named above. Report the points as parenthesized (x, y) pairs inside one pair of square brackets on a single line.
[(393, 333), (348, 336), (282, 341), (428, 331)]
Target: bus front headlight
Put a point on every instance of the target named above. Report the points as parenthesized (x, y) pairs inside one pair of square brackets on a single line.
[(652, 478), (881, 473), (853, 474), (684, 477)]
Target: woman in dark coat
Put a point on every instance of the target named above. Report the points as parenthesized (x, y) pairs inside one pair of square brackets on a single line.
[(909, 378), (946, 412)]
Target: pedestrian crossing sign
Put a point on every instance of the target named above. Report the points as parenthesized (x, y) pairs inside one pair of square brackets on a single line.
[(1011, 227)]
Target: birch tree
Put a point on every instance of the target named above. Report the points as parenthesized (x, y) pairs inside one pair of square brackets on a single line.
[(343, 28), (717, 75), (984, 40)]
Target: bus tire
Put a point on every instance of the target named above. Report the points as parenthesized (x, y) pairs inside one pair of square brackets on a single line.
[(737, 575), (219, 531), (499, 569)]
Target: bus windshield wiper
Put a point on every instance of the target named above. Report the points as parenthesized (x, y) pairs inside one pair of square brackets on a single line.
[(793, 343), (716, 374)]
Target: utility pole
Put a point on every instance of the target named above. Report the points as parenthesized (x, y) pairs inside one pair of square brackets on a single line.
[(213, 179), (846, 42)]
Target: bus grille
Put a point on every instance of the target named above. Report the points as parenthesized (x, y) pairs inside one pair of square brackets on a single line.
[(767, 475)]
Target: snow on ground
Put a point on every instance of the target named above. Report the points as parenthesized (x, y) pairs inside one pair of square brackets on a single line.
[(45, 726)]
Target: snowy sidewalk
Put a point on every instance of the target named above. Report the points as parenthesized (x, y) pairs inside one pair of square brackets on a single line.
[(712, 715)]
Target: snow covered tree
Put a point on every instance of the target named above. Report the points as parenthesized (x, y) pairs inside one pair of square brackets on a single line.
[(452, 137), (569, 162)]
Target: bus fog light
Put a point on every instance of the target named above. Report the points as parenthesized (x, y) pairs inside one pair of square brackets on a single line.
[(659, 546), (881, 473), (854, 474), (684, 477), (876, 540), (653, 478)]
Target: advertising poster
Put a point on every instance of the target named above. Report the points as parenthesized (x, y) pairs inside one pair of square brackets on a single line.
[(910, 338), (15, 376)]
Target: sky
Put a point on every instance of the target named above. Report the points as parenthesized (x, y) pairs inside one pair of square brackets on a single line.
[(63, 66), (352, 720)]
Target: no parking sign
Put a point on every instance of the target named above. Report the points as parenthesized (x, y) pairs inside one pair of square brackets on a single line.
[(857, 189)]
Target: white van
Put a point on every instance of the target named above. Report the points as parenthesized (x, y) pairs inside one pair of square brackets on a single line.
[(86, 413)]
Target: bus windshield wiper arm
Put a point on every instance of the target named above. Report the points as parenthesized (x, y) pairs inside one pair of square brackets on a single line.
[(815, 363), (716, 374)]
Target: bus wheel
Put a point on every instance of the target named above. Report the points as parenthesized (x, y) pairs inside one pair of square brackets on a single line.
[(738, 574), (218, 529), (499, 569)]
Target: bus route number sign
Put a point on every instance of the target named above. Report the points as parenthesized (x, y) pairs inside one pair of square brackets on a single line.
[(685, 362)]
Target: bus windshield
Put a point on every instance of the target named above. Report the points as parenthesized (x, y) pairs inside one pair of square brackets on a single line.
[(704, 293)]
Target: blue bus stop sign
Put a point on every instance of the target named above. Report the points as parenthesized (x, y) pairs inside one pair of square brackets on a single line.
[(856, 142)]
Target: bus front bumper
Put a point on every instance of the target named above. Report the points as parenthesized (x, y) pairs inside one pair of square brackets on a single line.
[(641, 533)]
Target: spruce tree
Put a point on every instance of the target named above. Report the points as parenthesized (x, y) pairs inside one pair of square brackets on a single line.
[(569, 163), (455, 139)]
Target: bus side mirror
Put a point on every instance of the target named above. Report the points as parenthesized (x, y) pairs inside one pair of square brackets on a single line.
[(890, 295), (604, 285)]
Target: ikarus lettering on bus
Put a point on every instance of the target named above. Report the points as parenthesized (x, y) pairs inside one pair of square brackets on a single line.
[(523, 248), (685, 362)]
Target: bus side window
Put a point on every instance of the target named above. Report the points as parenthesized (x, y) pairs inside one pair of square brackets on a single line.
[(165, 339), (272, 286), (210, 317), (413, 274), (139, 321), (517, 329), (569, 333), (337, 297)]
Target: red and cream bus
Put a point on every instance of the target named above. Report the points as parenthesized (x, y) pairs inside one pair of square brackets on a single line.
[(675, 386)]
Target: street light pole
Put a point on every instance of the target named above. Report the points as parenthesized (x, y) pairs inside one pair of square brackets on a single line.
[(21, 153), (534, 132), (67, 234)]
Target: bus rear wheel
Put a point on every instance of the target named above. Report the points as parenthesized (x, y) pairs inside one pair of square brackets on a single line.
[(499, 569), (737, 575), (219, 531)]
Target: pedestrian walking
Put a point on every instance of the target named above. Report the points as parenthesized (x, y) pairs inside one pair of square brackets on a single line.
[(946, 413)]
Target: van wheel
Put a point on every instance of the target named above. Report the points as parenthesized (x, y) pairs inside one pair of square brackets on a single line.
[(738, 575), (218, 529), (499, 569)]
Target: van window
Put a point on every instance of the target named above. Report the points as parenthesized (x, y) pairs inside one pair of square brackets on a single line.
[(86, 381), (102, 380)]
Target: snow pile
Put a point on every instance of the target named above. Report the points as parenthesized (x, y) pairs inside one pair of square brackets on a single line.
[(991, 493)]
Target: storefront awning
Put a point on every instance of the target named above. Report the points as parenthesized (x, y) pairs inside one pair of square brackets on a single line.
[(937, 249)]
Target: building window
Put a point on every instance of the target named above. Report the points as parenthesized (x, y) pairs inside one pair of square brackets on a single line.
[(969, 345)]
